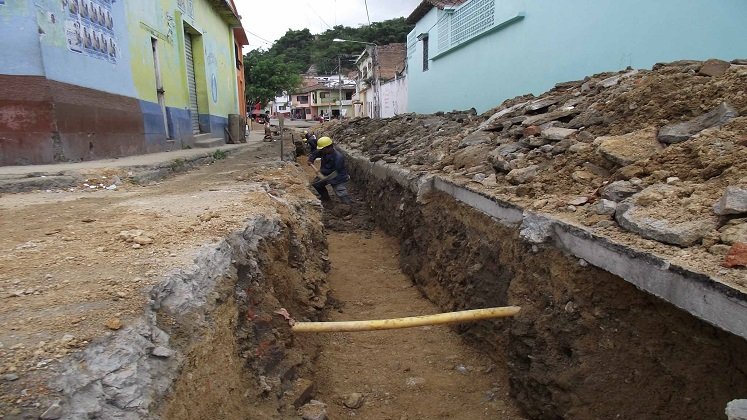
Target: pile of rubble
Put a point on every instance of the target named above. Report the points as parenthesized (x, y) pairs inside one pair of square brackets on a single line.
[(660, 155)]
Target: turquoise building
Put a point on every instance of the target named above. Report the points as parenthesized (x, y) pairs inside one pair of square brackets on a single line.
[(477, 53)]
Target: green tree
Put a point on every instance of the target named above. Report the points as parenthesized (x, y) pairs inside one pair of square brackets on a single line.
[(268, 76)]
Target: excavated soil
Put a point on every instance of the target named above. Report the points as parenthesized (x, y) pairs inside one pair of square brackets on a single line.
[(545, 153)]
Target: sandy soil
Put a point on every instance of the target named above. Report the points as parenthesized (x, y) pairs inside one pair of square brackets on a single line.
[(67, 277)]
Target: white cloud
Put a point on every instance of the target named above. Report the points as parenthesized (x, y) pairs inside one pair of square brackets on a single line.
[(271, 19)]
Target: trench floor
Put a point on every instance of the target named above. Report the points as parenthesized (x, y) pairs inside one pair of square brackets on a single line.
[(416, 373)]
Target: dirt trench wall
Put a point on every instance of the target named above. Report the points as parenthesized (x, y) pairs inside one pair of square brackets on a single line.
[(587, 344), (210, 344)]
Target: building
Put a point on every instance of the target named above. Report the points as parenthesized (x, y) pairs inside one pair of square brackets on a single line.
[(477, 53), (281, 105), (89, 79), (323, 96), (377, 65)]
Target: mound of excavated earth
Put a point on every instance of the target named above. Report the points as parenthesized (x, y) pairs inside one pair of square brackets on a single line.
[(656, 159)]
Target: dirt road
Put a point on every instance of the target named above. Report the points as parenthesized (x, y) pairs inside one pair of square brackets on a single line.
[(418, 373)]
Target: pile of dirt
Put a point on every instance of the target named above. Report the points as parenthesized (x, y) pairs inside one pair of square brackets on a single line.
[(641, 156)]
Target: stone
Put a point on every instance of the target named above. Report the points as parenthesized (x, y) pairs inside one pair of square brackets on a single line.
[(9, 377), (499, 164), (604, 207), (596, 169), (557, 133), (114, 324), (582, 176), (635, 216), (537, 142), (736, 410), (679, 132), (479, 177), (578, 201), (414, 381), (619, 190), (737, 256), (475, 138), (734, 201), (53, 412), (714, 68), (629, 148), (130, 235), (390, 159), (522, 175), (314, 410), (377, 157), (354, 400), (507, 149), (162, 352), (532, 130), (542, 103), (142, 240), (719, 249), (550, 116), (734, 231), (579, 147)]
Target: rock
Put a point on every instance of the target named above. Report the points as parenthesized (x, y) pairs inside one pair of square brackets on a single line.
[(130, 235), (532, 130), (478, 177), (578, 201), (676, 133), (604, 207), (719, 249), (557, 133), (475, 138), (673, 180), (582, 176), (736, 410), (522, 175), (639, 215), (354, 400), (507, 149), (377, 157), (734, 231), (68, 338), (579, 147), (142, 240), (537, 142), (461, 369), (414, 381), (619, 190), (629, 148), (390, 159), (734, 201), (490, 181), (53, 412), (162, 352), (114, 324), (9, 377), (562, 146), (499, 164), (737, 256), (542, 103), (314, 410), (714, 68)]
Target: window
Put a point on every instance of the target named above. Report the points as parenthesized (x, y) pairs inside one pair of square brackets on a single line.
[(281, 107), (322, 95), (349, 95), (425, 53), (239, 59), (303, 99)]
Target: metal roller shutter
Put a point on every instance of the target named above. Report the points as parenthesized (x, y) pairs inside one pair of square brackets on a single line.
[(192, 84)]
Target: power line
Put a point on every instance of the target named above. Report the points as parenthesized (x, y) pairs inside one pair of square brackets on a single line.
[(317, 14), (367, 16), (257, 36)]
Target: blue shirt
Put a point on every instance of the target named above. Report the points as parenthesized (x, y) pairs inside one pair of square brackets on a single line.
[(332, 162)]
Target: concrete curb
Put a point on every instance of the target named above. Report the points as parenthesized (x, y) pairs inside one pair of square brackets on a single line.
[(702, 296)]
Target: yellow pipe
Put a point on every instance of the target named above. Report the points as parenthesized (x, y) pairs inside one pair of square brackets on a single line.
[(409, 322)]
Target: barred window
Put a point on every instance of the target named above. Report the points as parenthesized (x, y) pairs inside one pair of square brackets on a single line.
[(425, 53)]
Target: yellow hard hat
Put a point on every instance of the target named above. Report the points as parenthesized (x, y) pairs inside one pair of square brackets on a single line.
[(323, 142), (305, 132)]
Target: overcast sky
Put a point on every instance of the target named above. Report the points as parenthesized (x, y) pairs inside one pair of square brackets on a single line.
[(266, 21)]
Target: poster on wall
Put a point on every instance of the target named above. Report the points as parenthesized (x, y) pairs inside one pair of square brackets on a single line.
[(89, 28)]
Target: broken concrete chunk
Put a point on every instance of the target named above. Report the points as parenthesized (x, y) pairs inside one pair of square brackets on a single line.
[(475, 138), (734, 201), (604, 207), (736, 410), (734, 231), (314, 410), (629, 148), (522, 175), (535, 228), (714, 68), (619, 190), (677, 133), (653, 214), (557, 133)]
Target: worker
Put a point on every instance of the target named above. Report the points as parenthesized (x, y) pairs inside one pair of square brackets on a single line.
[(332, 171), (311, 141)]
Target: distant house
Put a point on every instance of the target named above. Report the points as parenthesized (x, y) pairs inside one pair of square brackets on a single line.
[(281, 105), (323, 96), (83, 80), (381, 74), (477, 53)]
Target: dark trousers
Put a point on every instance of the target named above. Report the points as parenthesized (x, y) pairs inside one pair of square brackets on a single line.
[(340, 190)]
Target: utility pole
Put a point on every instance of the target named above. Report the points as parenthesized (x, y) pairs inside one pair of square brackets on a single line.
[(339, 77), (376, 86)]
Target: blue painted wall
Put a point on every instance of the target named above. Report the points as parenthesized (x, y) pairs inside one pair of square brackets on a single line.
[(19, 39), (563, 40)]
